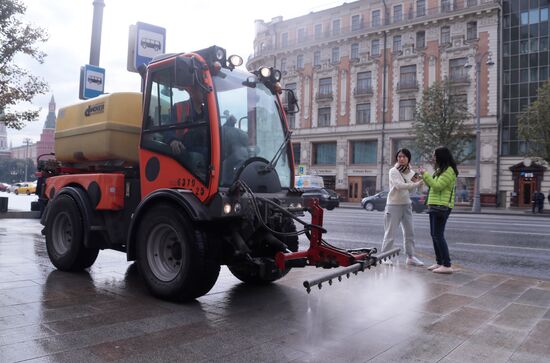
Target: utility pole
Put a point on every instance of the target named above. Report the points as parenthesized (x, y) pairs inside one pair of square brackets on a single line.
[(27, 141), (95, 45)]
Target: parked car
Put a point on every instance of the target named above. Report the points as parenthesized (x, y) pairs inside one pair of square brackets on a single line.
[(378, 202), (23, 188), (328, 198), (4, 187)]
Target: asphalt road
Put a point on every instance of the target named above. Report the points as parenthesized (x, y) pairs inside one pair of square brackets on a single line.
[(518, 245)]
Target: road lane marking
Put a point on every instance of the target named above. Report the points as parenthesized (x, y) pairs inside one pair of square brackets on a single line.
[(499, 246), (512, 232)]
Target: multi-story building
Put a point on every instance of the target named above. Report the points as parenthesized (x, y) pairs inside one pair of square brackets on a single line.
[(525, 65), (359, 70)]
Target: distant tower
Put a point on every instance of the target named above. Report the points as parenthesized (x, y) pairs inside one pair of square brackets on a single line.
[(46, 143)]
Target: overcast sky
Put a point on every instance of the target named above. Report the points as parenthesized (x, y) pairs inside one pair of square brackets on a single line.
[(190, 25)]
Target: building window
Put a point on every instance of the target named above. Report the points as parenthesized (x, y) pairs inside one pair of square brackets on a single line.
[(325, 86), (543, 45), (457, 72), (524, 46), (364, 152), (355, 22), (284, 39), (409, 144), (407, 109), (375, 18), (283, 64), (460, 102), (375, 47), (296, 150), (396, 43), (318, 31), (324, 153), (355, 51), (364, 82), (324, 116), (420, 8), (397, 13), (445, 35), (291, 117), (335, 55), (317, 58), (300, 61), (421, 39), (407, 77), (301, 35), (336, 27), (445, 5), (363, 113), (472, 3), (471, 30)]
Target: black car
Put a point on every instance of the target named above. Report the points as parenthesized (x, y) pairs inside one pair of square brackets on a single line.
[(328, 198), (378, 202)]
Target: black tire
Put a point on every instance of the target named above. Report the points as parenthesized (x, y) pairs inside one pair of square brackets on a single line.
[(330, 208), (28, 192), (65, 236), (15, 192), (249, 274), (176, 260), (369, 206)]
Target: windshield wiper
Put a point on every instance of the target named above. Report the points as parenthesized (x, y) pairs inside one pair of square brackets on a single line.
[(273, 163)]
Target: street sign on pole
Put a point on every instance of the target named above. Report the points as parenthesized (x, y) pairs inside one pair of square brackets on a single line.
[(146, 41), (92, 81)]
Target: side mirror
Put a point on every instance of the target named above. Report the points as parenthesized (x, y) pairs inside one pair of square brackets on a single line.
[(291, 106), (184, 72)]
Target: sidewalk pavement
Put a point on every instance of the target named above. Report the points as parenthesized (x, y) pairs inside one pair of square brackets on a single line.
[(468, 210), (392, 313)]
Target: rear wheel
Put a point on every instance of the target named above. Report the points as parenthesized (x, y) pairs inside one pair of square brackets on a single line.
[(28, 192), (65, 236), (176, 260)]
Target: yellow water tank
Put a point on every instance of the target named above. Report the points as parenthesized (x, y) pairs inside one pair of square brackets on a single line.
[(106, 128)]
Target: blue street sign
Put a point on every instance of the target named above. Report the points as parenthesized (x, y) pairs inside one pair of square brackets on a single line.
[(150, 42), (92, 81)]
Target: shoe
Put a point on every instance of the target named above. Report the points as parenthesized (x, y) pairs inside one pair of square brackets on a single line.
[(413, 261), (433, 267), (387, 262), (443, 270)]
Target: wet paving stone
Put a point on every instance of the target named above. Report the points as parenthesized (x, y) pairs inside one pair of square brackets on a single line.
[(388, 314)]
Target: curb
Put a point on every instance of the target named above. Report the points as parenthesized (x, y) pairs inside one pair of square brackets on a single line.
[(467, 211), (19, 214)]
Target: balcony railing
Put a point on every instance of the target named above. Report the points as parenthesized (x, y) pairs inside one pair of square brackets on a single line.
[(362, 91), (324, 96), (459, 79), (407, 86), (408, 17)]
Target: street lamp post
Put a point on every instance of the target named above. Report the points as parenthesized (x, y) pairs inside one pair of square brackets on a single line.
[(476, 205), (27, 141)]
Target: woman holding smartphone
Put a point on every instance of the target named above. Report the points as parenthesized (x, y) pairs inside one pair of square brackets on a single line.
[(398, 206)]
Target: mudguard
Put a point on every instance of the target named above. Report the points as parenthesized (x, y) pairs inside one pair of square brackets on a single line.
[(184, 199)]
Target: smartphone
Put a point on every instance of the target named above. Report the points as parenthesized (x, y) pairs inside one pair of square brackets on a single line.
[(416, 175)]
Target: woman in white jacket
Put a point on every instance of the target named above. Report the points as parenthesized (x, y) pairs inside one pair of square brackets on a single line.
[(399, 208)]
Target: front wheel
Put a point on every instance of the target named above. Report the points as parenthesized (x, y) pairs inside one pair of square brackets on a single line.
[(16, 192), (175, 259), (28, 192), (65, 236), (369, 206)]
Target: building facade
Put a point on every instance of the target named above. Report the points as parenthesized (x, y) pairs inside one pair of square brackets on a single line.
[(525, 66), (359, 70)]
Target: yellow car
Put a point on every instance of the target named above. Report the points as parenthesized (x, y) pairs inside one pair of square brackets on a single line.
[(25, 188)]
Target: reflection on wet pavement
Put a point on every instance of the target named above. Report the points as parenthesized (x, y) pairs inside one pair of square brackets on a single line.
[(388, 314)]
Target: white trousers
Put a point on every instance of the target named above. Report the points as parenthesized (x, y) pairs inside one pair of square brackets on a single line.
[(394, 216)]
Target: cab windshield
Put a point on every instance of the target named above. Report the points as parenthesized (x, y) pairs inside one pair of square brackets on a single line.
[(250, 123)]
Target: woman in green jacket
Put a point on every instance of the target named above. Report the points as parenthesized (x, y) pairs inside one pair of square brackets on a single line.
[(441, 195)]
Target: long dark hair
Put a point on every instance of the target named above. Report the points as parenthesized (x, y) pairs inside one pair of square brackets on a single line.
[(443, 160), (405, 152)]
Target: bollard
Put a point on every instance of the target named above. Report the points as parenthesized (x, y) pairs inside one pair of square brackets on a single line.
[(3, 204)]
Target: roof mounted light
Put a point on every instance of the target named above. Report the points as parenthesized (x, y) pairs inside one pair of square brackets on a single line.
[(220, 54), (265, 72), (235, 60)]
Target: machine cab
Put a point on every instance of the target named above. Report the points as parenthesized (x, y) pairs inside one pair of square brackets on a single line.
[(206, 122)]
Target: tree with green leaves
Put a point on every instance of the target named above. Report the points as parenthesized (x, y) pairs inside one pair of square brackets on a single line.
[(534, 125), (440, 121), (18, 85)]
